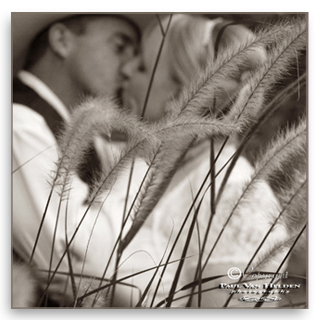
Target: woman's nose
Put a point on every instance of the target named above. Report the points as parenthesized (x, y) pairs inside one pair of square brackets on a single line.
[(130, 67)]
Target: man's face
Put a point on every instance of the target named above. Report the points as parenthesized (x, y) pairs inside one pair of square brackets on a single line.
[(95, 61)]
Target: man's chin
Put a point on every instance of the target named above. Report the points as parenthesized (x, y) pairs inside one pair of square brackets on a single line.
[(128, 104), (118, 97)]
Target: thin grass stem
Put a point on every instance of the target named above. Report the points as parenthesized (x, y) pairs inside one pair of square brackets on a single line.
[(155, 68), (259, 304)]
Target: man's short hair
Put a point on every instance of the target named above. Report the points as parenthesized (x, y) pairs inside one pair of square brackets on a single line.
[(77, 24)]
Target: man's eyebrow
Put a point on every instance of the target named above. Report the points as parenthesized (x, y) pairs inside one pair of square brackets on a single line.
[(124, 37)]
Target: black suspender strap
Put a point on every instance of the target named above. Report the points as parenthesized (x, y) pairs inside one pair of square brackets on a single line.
[(22, 94)]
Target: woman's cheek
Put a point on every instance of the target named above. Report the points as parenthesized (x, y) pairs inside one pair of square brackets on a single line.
[(156, 105)]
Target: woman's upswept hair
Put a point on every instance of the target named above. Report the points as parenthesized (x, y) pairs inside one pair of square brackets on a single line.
[(193, 41)]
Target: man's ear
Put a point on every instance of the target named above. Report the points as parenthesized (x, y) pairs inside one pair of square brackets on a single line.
[(59, 38)]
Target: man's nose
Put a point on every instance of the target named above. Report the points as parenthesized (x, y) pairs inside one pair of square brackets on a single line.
[(130, 67)]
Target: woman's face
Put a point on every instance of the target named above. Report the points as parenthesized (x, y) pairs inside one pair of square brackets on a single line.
[(139, 74)]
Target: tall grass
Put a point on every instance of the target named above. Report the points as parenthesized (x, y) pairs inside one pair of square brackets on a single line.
[(164, 146)]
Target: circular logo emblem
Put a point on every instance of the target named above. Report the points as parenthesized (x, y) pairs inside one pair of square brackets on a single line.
[(234, 273)]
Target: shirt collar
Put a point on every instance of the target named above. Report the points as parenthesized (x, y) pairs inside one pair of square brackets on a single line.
[(44, 92)]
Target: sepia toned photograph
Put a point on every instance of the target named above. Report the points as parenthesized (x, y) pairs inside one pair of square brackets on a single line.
[(159, 160)]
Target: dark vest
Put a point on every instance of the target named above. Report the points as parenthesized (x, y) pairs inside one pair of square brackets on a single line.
[(90, 167)]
